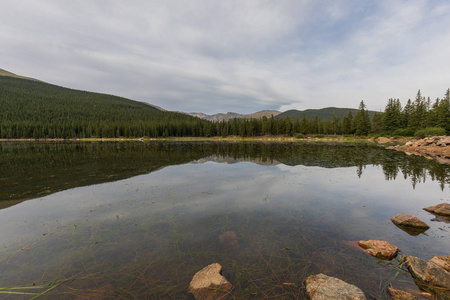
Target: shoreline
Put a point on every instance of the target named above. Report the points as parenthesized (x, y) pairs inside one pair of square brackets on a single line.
[(226, 139), (436, 148)]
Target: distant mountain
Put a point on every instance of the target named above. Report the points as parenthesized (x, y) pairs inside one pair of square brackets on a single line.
[(323, 113), (35, 109), (215, 117), (232, 115), (262, 113)]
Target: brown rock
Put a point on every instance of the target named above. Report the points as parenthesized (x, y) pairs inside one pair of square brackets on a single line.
[(444, 141), (437, 148), (428, 273), (379, 249), (441, 261), (208, 284), (408, 220), (442, 160), (323, 287), (440, 209), (228, 239), (383, 140), (400, 295)]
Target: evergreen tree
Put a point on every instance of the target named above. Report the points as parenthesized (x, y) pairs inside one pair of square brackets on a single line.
[(347, 123), (304, 125), (443, 112), (362, 120), (377, 123), (406, 114), (418, 114), (392, 116), (336, 125)]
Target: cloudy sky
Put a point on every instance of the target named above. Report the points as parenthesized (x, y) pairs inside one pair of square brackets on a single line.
[(241, 56)]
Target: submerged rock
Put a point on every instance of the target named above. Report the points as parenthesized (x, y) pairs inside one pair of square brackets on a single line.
[(228, 239), (441, 219), (428, 275), (410, 224), (379, 249), (399, 294), (208, 284), (323, 287), (440, 209)]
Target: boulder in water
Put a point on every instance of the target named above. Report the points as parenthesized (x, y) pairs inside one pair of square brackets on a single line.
[(209, 284), (429, 276), (410, 224), (442, 209), (323, 287), (379, 249)]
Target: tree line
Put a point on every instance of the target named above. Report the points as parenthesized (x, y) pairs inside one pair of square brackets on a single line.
[(419, 117), (33, 109)]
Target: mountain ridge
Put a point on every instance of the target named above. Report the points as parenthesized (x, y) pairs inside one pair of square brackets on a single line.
[(325, 113), (232, 115)]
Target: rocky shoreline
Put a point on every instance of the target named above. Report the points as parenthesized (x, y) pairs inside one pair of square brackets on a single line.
[(437, 148), (431, 277)]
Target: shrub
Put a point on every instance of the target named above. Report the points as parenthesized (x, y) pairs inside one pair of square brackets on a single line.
[(404, 132), (429, 131), (300, 136)]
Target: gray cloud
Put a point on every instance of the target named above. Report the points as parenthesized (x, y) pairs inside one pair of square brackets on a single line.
[(242, 56)]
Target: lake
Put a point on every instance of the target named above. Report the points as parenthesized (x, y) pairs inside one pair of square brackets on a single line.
[(137, 220)]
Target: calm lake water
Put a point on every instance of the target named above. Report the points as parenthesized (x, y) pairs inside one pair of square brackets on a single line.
[(137, 220)]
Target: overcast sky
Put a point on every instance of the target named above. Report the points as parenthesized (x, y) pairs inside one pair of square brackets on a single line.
[(241, 56)]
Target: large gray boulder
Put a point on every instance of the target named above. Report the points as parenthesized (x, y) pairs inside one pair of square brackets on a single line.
[(323, 287), (442, 209), (209, 284)]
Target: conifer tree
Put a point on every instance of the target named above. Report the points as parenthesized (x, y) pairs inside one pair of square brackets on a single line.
[(377, 123), (304, 125), (418, 114), (443, 112), (347, 123), (362, 120), (392, 115), (406, 114)]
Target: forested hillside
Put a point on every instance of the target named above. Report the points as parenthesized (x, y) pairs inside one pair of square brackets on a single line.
[(34, 109)]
